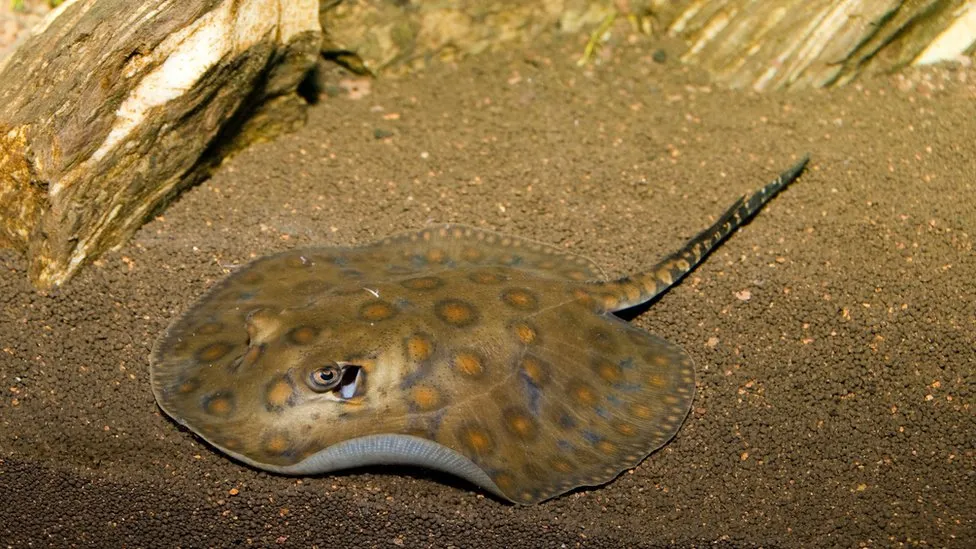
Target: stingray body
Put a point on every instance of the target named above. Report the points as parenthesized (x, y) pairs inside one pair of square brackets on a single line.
[(487, 356)]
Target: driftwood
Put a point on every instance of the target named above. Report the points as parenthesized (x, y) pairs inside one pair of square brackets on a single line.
[(759, 44), (115, 106), (773, 44)]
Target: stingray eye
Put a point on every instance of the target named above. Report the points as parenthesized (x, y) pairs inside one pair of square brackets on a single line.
[(325, 378)]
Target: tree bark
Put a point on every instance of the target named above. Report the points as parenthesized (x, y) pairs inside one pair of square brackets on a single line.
[(758, 44), (115, 106), (774, 44)]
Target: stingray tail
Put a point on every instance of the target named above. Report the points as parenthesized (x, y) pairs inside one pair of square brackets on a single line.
[(633, 290)]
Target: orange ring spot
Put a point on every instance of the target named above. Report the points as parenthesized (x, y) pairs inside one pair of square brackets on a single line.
[(642, 411), (188, 386), (469, 364), (504, 481), (484, 277), (525, 333), (279, 393), (302, 335), (422, 283), (606, 447), (578, 276), (608, 371), (374, 311), (659, 360), (624, 428), (520, 299), (231, 443), (582, 393), (426, 398), (562, 465), (657, 381), (535, 369), (470, 253), (276, 444), (477, 439), (435, 255), (214, 351), (456, 312), (520, 424), (210, 328), (221, 404), (419, 347)]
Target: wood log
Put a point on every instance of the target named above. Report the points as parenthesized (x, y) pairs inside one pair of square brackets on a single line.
[(114, 106), (778, 44), (758, 44)]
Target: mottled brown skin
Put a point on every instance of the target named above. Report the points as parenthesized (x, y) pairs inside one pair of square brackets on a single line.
[(501, 349)]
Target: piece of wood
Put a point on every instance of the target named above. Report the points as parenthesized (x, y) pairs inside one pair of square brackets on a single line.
[(115, 106), (758, 44), (775, 44)]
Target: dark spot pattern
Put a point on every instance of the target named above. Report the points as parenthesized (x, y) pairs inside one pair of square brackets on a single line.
[(277, 444), (534, 369), (214, 351), (425, 397), (279, 393), (525, 332), (187, 386), (423, 283), (519, 423), (210, 328), (419, 347), (582, 393), (377, 310), (469, 363), (302, 335), (248, 359), (471, 254), (456, 312), (607, 370), (476, 439), (520, 299), (219, 404)]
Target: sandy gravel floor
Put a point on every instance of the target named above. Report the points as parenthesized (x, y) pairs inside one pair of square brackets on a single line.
[(834, 336)]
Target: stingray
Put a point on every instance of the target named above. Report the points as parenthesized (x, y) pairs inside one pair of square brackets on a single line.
[(490, 357)]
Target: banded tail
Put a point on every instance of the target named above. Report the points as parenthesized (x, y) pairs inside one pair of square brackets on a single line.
[(634, 290)]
